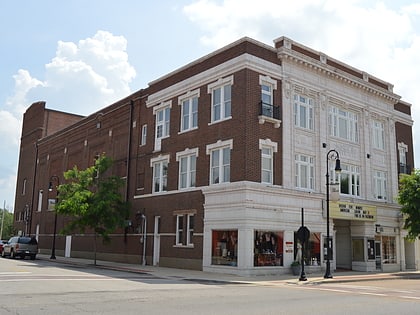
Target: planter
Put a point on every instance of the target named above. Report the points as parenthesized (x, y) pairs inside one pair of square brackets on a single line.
[(296, 269)]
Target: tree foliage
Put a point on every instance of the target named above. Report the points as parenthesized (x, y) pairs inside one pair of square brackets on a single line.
[(8, 230), (409, 198), (93, 200)]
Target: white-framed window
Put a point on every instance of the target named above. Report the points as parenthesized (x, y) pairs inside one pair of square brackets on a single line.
[(187, 168), (343, 124), (40, 196), (304, 172), (179, 235), (268, 85), (378, 135), (162, 113), (379, 181), (143, 134), (221, 95), (349, 179), (268, 148), (190, 229), (219, 161), (402, 153), (303, 109), (189, 110), (160, 173)]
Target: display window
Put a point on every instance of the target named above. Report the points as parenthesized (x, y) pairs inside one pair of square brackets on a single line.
[(225, 247), (389, 250), (268, 248), (311, 250)]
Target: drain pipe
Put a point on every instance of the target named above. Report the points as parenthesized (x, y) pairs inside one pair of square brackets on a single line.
[(144, 239)]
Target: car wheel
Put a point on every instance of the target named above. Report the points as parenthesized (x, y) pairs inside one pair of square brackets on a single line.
[(33, 257)]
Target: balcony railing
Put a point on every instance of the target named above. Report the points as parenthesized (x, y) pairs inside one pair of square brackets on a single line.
[(269, 110)]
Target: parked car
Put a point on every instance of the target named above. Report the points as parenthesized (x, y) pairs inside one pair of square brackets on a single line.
[(20, 246), (2, 242)]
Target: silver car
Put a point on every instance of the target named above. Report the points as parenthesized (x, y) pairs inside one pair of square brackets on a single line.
[(20, 246)]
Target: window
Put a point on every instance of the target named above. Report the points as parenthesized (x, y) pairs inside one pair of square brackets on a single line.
[(221, 99), (187, 167), (378, 135), (268, 248), (349, 179), (304, 172), (189, 110), (343, 124), (225, 248), (24, 187), (40, 195), (179, 229), (190, 229), (162, 123), (311, 252), (160, 173), (219, 161), (379, 179), (143, 135), (184, 222), (303, 112), (267, 148), (389, 250)]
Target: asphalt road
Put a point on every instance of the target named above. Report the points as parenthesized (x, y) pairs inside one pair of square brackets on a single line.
[(45, 287)]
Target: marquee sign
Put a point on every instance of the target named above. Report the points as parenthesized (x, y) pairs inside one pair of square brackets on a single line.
[(352, 211)]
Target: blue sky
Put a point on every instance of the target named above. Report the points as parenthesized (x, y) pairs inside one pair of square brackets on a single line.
[(80, 55)]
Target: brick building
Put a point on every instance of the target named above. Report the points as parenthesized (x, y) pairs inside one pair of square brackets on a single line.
[(221, 156)]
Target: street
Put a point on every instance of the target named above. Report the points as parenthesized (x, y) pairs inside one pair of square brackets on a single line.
[(46, 287)]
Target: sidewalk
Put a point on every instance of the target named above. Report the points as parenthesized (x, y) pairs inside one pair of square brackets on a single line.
[(195, 275)]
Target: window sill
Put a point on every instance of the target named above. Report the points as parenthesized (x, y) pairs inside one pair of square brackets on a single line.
[(183, 246), (219, 121), (263, 119)]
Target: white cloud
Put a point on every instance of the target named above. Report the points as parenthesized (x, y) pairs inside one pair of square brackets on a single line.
[(83, 77)]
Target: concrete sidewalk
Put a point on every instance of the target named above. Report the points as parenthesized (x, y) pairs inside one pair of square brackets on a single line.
[(195, 275)]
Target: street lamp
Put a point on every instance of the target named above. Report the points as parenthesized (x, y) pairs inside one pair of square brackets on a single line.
[(331, 155), (50, 188)]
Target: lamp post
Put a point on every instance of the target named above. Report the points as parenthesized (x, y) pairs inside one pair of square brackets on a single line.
[(331, 155), (50, 188)]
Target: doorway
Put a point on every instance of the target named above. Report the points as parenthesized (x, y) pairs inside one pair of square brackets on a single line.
[(378, 257)]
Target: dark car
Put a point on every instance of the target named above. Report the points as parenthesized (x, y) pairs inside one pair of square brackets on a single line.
[(2, 242), (20, 246)]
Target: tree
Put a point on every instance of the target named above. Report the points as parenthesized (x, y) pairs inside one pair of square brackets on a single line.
[(7, 229), (409, 198), (93, 200)]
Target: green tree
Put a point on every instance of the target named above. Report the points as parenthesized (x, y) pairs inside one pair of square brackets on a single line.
[(7, 229), (409, 198), (93, 200)]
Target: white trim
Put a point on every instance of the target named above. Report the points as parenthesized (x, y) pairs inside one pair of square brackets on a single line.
[(186, 152), (159, 158), (188, 95), (269, 80), (161, 106), (220, 82), (268, 143), (219, 144)]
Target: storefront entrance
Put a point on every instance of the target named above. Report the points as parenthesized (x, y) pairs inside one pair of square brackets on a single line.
[(343, 241)]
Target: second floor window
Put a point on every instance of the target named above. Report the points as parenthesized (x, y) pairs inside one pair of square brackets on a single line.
[(304, 172), (349, 180), (143, 135), (187, 168), (162, 122), (219, 161), (379, 179), (160, 174), (303, 112), (343, 124)]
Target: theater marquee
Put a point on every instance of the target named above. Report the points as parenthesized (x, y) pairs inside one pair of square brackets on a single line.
[(352, 211)]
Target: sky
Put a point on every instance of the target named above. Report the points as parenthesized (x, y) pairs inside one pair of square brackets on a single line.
[(80, 56)]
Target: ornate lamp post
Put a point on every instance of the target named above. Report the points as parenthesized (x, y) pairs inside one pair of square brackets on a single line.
[(331, 155), (50, 188)]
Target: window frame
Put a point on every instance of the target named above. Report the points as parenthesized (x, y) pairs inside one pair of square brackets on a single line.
[(354, 176), (160, 161), (339, 119), (191, 98), (378, 135), (165, 122), (309, 166), (380, 185), (272, 146), (223, 169), (225, 104), (305, 104), (143, 134), (191, 174)]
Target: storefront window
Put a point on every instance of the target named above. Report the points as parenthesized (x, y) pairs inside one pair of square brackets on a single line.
[(389, 250), (225, 248), (268, 248), (358, 250), (311, 250)]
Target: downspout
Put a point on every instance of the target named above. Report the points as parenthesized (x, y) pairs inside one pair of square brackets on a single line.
[(128, 161), (33, 188)]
